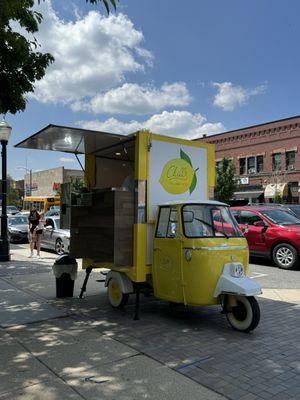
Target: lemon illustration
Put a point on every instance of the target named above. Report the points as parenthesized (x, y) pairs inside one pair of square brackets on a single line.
[(177, 176)]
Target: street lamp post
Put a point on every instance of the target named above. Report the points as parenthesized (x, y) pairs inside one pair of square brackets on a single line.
[(30, 180), (5, 131)]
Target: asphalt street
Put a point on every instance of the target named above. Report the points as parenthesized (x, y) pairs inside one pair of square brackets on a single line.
[(270, 276)]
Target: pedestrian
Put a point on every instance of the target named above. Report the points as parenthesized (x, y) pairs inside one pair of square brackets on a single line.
[(36, 225), (39, 233)]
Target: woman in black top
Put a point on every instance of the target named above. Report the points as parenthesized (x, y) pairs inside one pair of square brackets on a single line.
[(35, 232)]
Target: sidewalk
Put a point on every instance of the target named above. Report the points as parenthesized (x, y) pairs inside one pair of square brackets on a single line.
[(50, 349)]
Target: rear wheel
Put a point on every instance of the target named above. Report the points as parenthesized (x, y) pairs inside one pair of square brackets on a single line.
[(285, 256), (116, 297), (245, 315), (59, 247)]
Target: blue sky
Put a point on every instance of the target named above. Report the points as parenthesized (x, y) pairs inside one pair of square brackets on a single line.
[(177, 68)]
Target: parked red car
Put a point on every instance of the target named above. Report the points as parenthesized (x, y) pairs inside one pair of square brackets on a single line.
[(271, 232)]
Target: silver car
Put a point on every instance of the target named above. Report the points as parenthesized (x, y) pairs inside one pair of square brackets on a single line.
[(55, 238)]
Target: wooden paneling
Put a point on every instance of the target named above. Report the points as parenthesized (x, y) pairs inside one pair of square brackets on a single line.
[(103, 230)]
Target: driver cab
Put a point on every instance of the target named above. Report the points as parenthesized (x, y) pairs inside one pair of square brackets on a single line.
[(190, 242)]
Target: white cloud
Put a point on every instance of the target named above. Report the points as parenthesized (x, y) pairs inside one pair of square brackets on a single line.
[(136, 99), (176, 123), (92, 54), (66, 159), (230, 96)]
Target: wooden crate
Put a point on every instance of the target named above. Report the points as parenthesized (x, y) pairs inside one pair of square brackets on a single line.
[(102, 228)]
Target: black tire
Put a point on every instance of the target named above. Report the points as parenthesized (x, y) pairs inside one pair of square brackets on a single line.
[(59, 247), (246, 315), (116, 297), (285, 256)]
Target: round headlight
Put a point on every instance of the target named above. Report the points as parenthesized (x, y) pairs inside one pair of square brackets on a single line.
[(237, 270)]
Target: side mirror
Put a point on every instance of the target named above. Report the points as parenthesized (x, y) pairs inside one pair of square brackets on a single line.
[(246, 228), (49, 228), (259, 223)]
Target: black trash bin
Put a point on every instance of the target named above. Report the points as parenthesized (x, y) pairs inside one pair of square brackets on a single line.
[(65, 271)]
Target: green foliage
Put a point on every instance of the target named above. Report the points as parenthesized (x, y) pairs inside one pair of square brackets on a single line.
[(21, 64), (107, 4), (13, 196), (77, 185), (225, 184), (277, 197)]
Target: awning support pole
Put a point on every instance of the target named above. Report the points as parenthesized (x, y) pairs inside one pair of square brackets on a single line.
[(79, 162)]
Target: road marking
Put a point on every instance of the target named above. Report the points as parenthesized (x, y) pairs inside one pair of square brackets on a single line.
[(257, 275)]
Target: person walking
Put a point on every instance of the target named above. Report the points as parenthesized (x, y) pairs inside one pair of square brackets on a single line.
[(36, 225)]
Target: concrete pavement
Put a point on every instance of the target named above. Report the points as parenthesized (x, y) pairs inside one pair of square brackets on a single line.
[(82, 349), (50, 351)]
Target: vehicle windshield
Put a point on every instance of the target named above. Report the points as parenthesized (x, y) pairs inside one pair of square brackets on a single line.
[(11, 208), (201, 220), (18, 221), (295, 208), (281, 217)]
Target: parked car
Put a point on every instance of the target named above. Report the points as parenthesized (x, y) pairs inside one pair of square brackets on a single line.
[(11, 210), (55, 238), (17, 228), (291, 208), (271, 232)]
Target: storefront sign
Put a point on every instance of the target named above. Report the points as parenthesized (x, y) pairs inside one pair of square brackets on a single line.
[(244, 181)]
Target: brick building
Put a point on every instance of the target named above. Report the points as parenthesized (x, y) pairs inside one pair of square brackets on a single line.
[(266, 159)]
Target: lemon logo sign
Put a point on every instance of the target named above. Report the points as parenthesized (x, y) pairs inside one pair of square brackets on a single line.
[(178, 175)]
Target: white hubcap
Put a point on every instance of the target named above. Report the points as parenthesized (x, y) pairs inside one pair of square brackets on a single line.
[(285, 256)]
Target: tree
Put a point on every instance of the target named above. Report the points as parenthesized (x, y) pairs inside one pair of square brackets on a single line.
[(225, 184), (21, 64), (13, 195)]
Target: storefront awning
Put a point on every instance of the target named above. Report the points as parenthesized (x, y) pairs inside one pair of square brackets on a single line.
[(76, 141), (250, 194), (273, 188)]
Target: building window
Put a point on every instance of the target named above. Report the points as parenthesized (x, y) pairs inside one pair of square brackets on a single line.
[(276, 162), (290, 160), (260, 164), (242, 166), (251, 165)]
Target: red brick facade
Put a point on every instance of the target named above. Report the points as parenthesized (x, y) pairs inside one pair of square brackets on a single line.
[(244, 146)]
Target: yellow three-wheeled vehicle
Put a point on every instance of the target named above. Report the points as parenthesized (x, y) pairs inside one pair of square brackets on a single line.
[(200, 257)]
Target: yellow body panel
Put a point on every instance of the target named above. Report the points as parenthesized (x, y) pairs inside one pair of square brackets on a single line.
[(202, 272)]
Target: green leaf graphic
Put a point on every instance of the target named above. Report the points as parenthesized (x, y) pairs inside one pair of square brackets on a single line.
[(193, 184), (185, 157)]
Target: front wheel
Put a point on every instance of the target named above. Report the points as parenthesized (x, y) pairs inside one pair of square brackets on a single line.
[(116, 297), (245, 315)]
